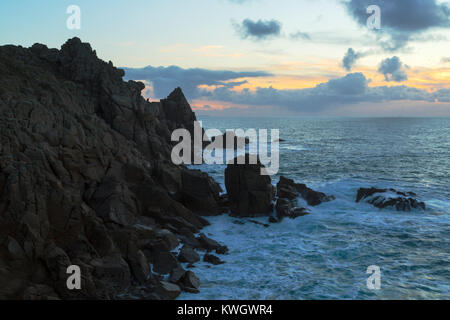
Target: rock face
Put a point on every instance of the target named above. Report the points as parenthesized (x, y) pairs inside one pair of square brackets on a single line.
[(86, 177), (383, 198), (249, 192)]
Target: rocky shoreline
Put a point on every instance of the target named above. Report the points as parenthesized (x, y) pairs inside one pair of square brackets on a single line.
[(86, 179)]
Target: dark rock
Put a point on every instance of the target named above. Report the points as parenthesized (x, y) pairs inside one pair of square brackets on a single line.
[(86, 177), (207, 243), (200, 192), (383, 198), (165, 262), (188, 254), (259, 223), (287, 188), (190, 280), (250, 193), (222, 250), (177, 274), (298, 212), (168, 291), (283, 208), (212, 259), (273, 220)]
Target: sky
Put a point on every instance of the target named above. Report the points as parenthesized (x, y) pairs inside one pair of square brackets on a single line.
[(262, 57)]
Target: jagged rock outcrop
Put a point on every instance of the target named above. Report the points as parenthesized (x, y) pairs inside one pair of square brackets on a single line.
[(287, 188), (86, 178), (383, 198), (250, 193)]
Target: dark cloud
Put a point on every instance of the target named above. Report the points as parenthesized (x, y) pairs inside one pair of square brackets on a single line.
[(300, 36), (402, 20), (393, 70), (259, 30), (350, 59), (165, 79)]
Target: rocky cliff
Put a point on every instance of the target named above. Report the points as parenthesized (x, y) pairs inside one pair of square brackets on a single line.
[(86, 179)]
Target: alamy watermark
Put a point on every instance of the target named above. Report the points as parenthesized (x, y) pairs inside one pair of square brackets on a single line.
[(374, 21), (74, 280), (374, 280), (190, 150), (73, 22)]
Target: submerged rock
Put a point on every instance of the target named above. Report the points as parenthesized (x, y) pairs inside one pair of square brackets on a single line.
[(212, 259), (383, 198)]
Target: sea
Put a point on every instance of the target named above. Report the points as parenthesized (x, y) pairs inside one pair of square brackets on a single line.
[(326, 254)]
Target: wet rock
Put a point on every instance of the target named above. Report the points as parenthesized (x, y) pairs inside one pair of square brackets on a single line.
[(212, 259), (383, 198), (250, 193), (259, 223), (190, 281), (177, 274), (283, 208), (287, 188), (298, 212), (188, 254), (222, 250), (207, 243), (273, 220)]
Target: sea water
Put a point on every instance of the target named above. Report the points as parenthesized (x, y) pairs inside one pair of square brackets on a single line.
[(325, 255)]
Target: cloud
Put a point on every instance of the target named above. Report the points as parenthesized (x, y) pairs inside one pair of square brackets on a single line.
[(402, 20), (350, 59), (300, 36), (259, 30), (348, 90), (164, 79), (445, 60), (215, 88), (393, 70)]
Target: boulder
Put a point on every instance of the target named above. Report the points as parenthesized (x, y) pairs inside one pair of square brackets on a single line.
[(168, 291), (188, 254), (177, 274), (212, 259), (383, 198), (287, 188), (207, 244), (190, 280), (250, 193)]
